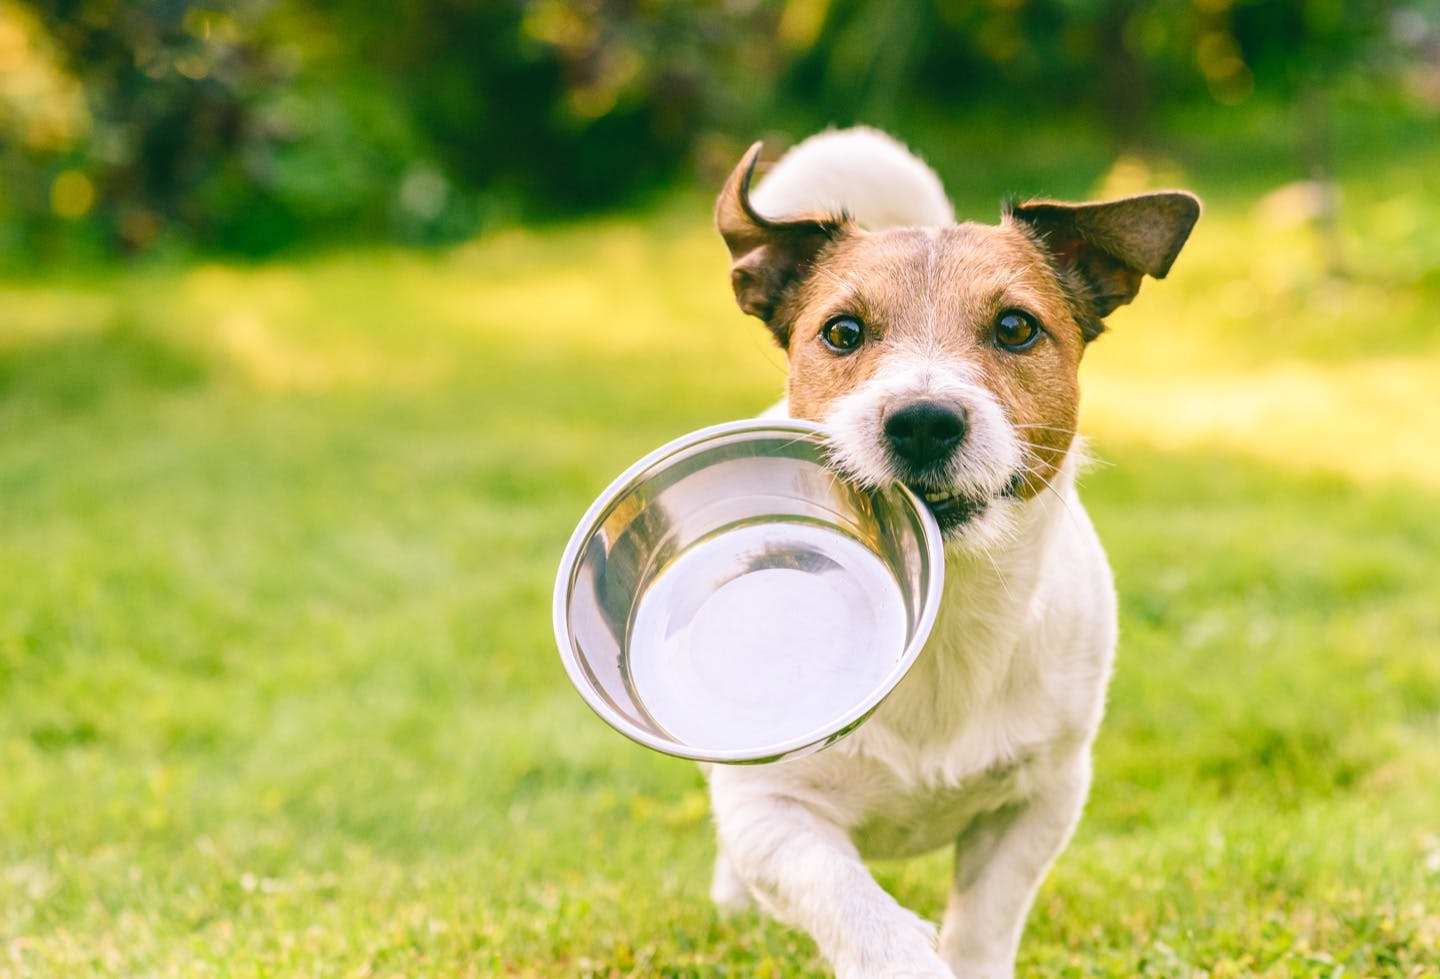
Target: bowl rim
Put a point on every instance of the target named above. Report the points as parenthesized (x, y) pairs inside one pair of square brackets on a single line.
[(934, 559)]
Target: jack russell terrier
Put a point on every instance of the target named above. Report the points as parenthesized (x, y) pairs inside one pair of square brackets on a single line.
[(943, 355)]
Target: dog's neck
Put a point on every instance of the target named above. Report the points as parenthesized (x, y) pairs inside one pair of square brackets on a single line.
[(990, 600)]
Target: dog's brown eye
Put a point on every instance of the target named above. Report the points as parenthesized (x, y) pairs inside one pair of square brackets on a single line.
[(1016, 330), (843, 334)]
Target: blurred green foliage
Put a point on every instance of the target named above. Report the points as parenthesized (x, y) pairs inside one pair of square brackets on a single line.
[(250, 125)]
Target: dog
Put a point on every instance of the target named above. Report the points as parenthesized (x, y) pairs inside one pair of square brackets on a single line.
[(943, 355)]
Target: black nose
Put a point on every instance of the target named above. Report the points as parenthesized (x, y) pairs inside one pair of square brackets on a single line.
[(925, 433)]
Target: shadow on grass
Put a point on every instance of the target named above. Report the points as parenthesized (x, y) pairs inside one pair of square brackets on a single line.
[(78, 372)]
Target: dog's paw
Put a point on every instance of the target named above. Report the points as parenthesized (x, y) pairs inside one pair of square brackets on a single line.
[(897, 946), (907, 965), (731, 900), (728, 891), (970, 969)]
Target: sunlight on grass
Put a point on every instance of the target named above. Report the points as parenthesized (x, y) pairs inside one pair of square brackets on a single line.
[(1253, 350), (1215, 357), (1364, 421)]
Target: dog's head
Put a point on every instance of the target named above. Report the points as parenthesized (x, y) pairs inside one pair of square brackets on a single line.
[(947, 358)]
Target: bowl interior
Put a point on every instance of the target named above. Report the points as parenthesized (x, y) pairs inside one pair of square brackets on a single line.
[(730, 599)]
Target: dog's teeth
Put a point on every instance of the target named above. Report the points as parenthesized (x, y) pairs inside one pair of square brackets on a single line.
[(937, 497)]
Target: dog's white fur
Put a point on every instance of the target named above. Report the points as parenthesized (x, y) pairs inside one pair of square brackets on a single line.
[(986, 742), (860, 171)]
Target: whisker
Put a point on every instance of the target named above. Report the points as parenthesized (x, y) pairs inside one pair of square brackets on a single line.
[(830, 456), (1000, 575), (1047, 484), (1046, 428)]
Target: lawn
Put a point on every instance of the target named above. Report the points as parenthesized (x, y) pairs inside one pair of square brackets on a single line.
[(278, 693)]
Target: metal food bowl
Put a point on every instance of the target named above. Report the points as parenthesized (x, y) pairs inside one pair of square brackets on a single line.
[(731, 599)]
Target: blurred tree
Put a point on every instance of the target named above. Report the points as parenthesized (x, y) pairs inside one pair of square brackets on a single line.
[(43, 119), (1299, 48), (558, 103), (170, 89), (251, 124), (1106, 57)]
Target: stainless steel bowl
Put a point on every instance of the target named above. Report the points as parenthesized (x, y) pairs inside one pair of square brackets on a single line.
[(730, 599)]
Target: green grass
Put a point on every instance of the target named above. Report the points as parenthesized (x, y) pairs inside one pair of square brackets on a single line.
[(278, 693)]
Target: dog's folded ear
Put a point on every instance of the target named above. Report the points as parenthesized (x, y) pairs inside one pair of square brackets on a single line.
[(768, 256), (1103, 249)]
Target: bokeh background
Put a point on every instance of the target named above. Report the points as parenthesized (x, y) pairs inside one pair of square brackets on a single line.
[(321, 323), (255, 126)]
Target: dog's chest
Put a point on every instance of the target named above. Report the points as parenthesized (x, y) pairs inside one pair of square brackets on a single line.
[(931, 817)]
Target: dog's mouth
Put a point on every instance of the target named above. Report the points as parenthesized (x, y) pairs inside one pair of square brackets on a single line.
[(950, 508), (953, 509)]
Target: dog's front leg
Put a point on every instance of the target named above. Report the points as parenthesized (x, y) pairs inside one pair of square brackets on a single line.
[(1000, 860), (806, 872)]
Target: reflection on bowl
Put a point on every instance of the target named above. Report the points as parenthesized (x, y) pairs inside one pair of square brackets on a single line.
[(730, 599)]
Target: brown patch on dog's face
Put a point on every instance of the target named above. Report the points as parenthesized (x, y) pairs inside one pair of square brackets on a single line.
[(938, 295), (946, 357)]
